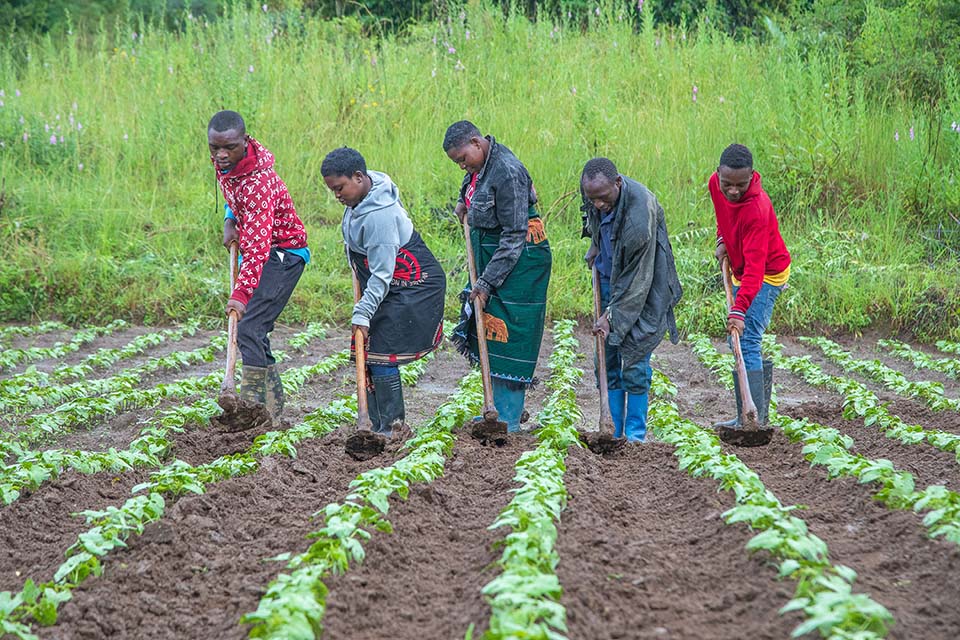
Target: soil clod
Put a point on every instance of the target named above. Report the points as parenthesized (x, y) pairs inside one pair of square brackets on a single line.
[(489, 432), (363, 445), (602, 443), (740, 437), (241, 415)]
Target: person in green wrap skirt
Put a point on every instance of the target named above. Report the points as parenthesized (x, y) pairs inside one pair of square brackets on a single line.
[(513, 264)]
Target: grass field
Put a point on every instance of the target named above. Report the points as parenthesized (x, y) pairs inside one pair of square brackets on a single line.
[(110, 208)]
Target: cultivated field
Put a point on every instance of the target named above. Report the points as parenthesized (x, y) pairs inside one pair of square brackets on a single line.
[(126, 516)]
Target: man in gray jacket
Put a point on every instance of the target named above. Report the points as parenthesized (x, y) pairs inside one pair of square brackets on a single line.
[(638, 286)]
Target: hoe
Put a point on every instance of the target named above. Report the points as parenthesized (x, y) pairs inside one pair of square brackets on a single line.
[(490, 426), (749, 433), (238, 414), (603, 440), (363, 443)]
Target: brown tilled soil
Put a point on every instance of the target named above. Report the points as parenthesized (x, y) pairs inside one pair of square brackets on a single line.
[(897, 564), (644, 553), (643, 548)]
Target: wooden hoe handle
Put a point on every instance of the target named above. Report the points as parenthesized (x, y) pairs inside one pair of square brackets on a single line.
[(229, 384), (746, 400), (489, 411)]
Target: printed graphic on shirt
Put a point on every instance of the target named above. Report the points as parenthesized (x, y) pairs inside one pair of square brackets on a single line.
[(406, 272), (496, 329), (408, 267), (471, 189), (536, 233)]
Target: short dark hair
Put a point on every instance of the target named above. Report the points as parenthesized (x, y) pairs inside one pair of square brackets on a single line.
[(599, 167), (736, 156), (459, 134), (226, 121), (343, 162)]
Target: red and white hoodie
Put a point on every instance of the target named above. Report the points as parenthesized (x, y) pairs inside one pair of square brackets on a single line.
[(265, 215), (751, 233)]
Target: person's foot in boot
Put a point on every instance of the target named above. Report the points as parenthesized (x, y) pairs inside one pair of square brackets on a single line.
[(635, 424), (274, 393), (758, 393), (735, 422), (253, 384), (391, 412), (251, 411), (617, 401), (764, 411)]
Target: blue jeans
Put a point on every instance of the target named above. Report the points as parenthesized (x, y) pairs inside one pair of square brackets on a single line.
[(755, 324), (383, 370), (635, 378)]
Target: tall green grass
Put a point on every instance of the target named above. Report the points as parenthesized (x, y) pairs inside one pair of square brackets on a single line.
[(121, 217)]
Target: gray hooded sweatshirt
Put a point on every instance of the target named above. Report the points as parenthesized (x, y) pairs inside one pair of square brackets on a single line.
[(377, 227)]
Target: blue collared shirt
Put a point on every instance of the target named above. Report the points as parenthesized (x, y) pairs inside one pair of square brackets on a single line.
[(604, 261)]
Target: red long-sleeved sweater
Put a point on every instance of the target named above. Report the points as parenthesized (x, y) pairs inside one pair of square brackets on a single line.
[(265, 215), (751, 233)]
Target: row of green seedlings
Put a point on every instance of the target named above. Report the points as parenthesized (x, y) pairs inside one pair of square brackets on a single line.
[(930, 391), (33, 468), (300, 341), (34, 388), (148, 450), (12, 357), (43, 427), (949, 367), (47, 326), (949, 347), (295, 602), (824, 591), (827, 447), (859, 401), (113, 526), (525, 597), (31, 398)]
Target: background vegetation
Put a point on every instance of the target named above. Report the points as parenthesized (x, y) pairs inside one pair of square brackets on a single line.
[(110, 208)]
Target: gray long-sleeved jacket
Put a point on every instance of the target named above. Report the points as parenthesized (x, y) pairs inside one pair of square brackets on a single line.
[(644, 286), (501, 202), (377, 227)]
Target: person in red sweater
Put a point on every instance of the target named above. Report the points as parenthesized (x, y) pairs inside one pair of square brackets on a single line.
[(748, 234), (273, 248)]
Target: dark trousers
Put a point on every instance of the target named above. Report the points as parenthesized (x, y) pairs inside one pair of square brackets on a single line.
[(277, 281)]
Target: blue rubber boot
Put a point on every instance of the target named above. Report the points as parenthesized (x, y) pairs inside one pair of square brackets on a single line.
[(617, 399), (509, 403), (636, 425)]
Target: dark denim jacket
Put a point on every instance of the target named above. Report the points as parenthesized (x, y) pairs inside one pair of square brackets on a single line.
[(501, 204), (644, 287)]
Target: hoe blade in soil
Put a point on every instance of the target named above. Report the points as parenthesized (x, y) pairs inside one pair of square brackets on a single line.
[(740, 437), (489, 429), (364, 444), (240, 415), (601, 442)]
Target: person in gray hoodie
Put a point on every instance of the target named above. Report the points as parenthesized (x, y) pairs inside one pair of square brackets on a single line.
[(402, 286)]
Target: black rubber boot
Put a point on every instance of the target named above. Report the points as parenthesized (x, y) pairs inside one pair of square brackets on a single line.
[(274, 396), (764, 410), (373, 409), (253, 384), (390, 410), (758, 393), (735, 422)]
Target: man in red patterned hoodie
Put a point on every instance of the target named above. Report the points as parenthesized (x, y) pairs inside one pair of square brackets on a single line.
[(273, 246), (748, 234)]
